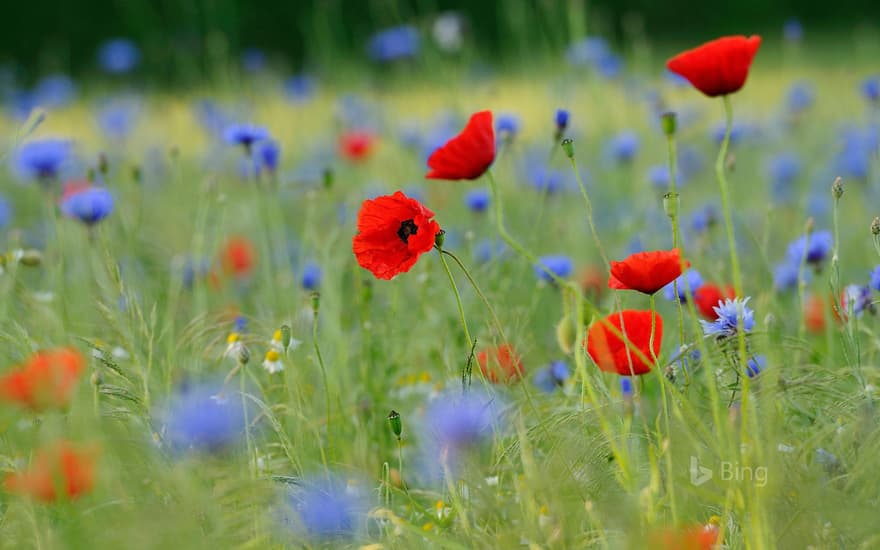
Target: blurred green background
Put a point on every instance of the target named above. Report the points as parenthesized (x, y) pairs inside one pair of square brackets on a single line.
[(184, 40)]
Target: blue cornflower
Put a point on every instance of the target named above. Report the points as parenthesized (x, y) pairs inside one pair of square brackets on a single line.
[(253, 60), (456, 421), (56, 90), (737, 132), (89, 205), (785, 275), (311, 276), (268, 154), (325, 507), (587, 51), (690, 280), (486, 250), (793, 30), (300, 87), (507, 124), (626, 386), (561, 266), (624, 147), (756, 366), (801, 96), (658, 175), (561, 119), (204, 417), (244, 134), (703, 218), (477, 200), (545, 180), (818, 245), (783, 170), (871, 88), (728, 322), (609, 65), (690, 162), (552, 376), (875, 273), (395, 43), (240, 324), (117, 118), (857, 298), (854, 158), (5, 212), (118, 56), (42, 159)]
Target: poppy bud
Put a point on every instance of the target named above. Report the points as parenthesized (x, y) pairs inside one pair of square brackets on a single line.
[(327, 178), (565, 335), (103, 164), (285, 336), (316, 302), (30, 257), (568, 147), (96, 379), (440, 238), (837, 187), (244, 355), (136, 174), (394, 421), (669, 123), (90, 175), (875, 226), (670, 204)]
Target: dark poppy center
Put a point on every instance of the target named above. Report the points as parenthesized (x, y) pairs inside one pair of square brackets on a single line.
[(407, 228)]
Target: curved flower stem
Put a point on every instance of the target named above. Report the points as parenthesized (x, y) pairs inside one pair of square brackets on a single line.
[(589, 206), (323, 368), (467, 333), (479, 292), (673, 218)]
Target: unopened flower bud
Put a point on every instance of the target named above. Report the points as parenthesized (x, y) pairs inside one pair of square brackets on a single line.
[(103, 164), (671, 204), (440, 238), (669, 123), (244, 355), (316, 302), (875, 225), (327, 178), (394, 421), (96, 379), (30, 257), (568, 147), (136, 174), (285, 336), (837, 187), (565, 334)]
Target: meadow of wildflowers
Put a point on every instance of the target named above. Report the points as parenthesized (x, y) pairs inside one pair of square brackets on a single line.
[(621, 299)]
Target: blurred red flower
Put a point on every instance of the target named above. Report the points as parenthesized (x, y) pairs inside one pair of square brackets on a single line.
[(238, 256), (646, 272), (356, 145), (61, 467), (718, 67), (699, 537), (707, 297), (814, 314), (393, 231), (46, 380), (501, 364), (610, 352), (469, 154)]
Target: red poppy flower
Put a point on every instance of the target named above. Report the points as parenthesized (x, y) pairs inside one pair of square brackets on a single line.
[(646, 272), (610, 352), (469, 154), (814, 314), (393, 231), (592, 282), (700, 537), (238, 256), (707, 297), (61, 467), (356, 145), (719, 67), (46, 380), (501, 364)]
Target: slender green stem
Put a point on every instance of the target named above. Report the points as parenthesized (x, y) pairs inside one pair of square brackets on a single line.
[(589, 206), (323, 372), (464, 325), (673, 218), (479, 292)]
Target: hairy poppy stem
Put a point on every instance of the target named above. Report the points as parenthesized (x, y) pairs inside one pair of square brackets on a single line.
[(464, 325), (479, 292), (676, 241), (315, 310), (589, 206)]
